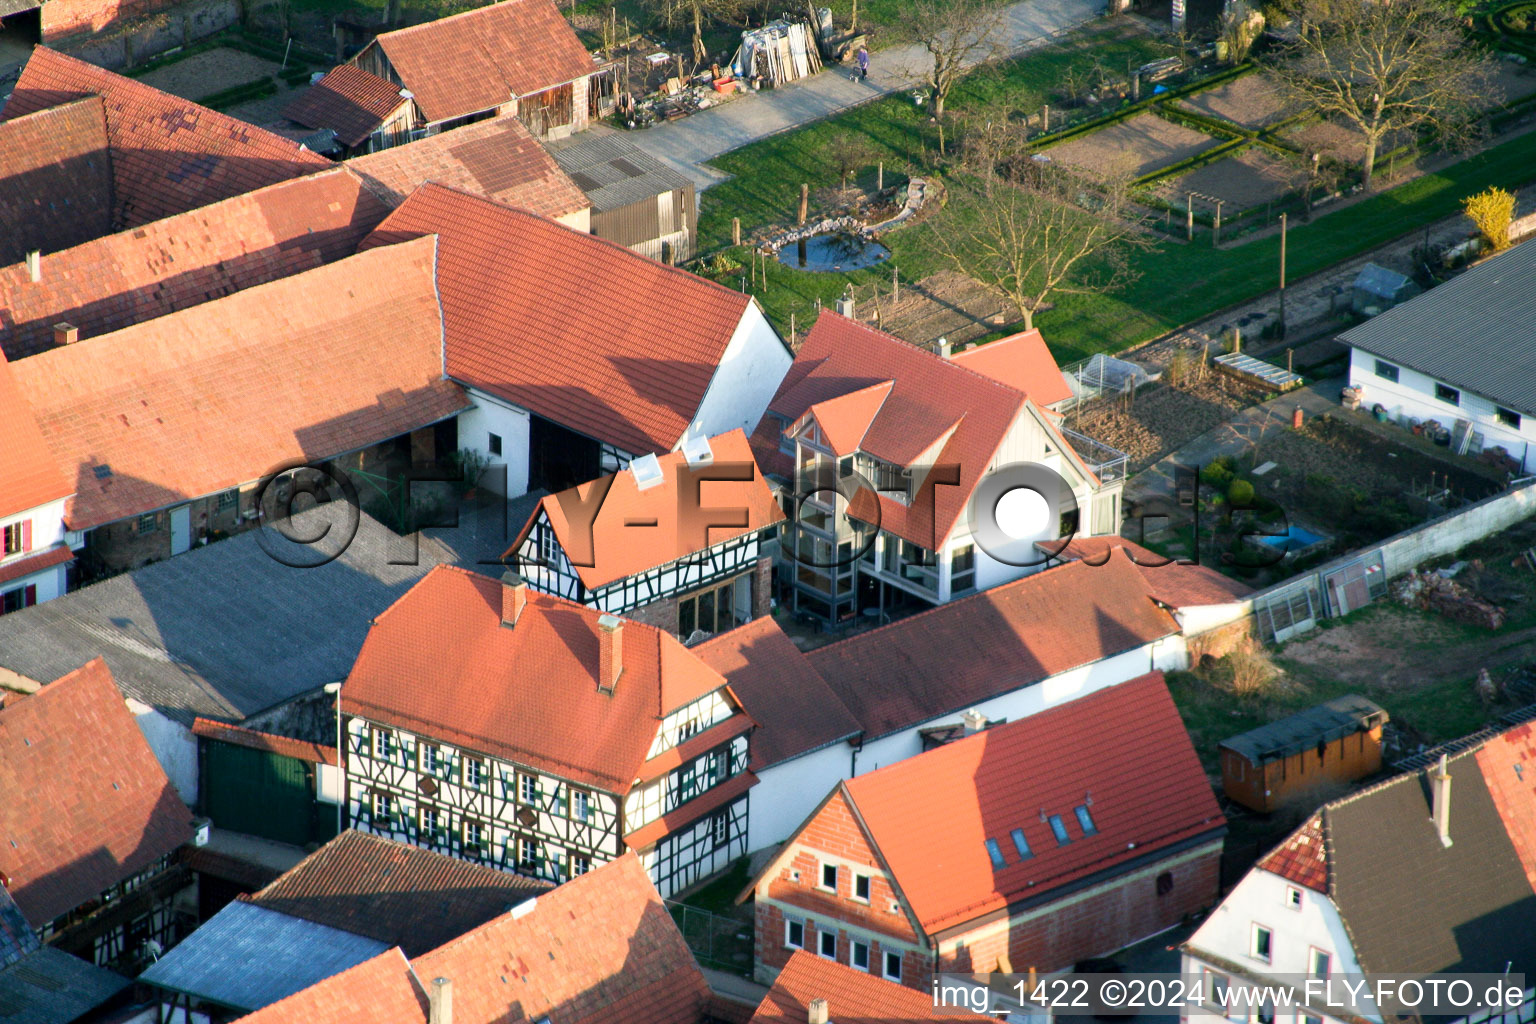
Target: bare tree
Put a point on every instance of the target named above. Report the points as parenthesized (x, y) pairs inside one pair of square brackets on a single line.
[(1064, 232), (847, 154), (1318, 174), (957, 34), (1384, 68), (694, 14), (995, 138)]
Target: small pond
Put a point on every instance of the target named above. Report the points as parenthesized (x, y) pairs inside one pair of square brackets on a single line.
[(834, 251), (1296, 538)]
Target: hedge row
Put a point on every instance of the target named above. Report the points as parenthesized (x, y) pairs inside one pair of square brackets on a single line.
[(1145, 103), (1202, 123), (1226, 149), (239, 94)]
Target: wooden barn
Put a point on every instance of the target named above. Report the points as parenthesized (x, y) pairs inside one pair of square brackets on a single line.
[(637, 200), (1335, 742)]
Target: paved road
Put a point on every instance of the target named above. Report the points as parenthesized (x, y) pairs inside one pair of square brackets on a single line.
[(687, 144)]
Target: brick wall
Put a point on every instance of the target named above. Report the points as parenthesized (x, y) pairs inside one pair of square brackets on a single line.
[(773, 954), (1222, 640), (139, 29), (123, 546)]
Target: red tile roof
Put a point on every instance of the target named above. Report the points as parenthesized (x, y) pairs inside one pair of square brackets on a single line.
[(29, 474), (1302, 857), (1170, 582), (202, 400), (393, 892), (639, 342), (1023, 362), (348, 100), (86, 803), (36, 563), (497, 159), (55, 179), (1124, 748), (949, 658), (168, 155), (486, 57), (300, 750), (710, 800), (383, 990), (1514, 790), (796, 711), (184, 260), (845, 419), (617, 542), (439, 662), (600, 949), (853, 997)]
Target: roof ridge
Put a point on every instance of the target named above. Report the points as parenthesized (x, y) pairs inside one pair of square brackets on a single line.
[(983, 378)]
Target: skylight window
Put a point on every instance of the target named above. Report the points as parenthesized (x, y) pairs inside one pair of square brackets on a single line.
[(1021, 844), (102, 472), (1059, 828), (1085, 820), (647, 471), (697, 451), (995, 853)]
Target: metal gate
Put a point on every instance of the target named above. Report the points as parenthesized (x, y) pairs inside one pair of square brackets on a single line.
[(262, 794), (1355, 584), (1289, 610)]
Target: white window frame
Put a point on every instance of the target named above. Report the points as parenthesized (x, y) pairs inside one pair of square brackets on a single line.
[(821, 877), (581, 805), (854, 945), (474, 772), (1293, 898), (1312, 954), (790, 922), (524, 780), (386, 801), (1253, 943), (869, 887), (886, 958), (822, 935)]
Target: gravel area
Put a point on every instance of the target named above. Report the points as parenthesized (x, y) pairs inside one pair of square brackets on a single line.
[(1253, 177), (1139, 146), (211, 71), (1251, 101)]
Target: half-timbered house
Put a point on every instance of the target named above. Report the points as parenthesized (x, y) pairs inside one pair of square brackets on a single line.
[(677, 542), (514, 728)]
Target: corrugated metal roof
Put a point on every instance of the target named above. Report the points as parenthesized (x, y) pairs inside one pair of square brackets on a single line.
[(51, 987), (614, 172), (247, 957), (1324, 723), (1473, 332)]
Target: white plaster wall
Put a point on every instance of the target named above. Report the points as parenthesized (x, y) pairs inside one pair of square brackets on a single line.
[(787, 793), (580, 219), (1200, 618), (491, 415), (1413, 394), (327, 784), (174, 745), (47, 530), (754, 362)]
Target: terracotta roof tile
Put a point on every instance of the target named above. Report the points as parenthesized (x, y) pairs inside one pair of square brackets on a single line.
[(168, 155), (439, 661), (201, 400), (1508, 764), (845, 419), (55, 179), (618, 544), (949, 658), (1170, 582), (853, 997), (376, 991), (1023, 362), (485, 57), (796, 711), (642, 339), (1124, 748), (187, 259), (86, 803), (394, 892), (600, 949), (348, 100), (1302, 857), (497, 159), (29, 474), (300, 750), (36, 563)]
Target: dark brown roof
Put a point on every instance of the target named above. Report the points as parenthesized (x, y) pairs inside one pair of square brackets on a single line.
[(394, 892), (796, 711), (55, 179), (348, 100)]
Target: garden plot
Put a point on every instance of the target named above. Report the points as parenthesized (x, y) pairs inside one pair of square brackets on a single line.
[(1251, 102), (1138, 146), (1341, 142), (1251, 178), (1511, 82), (211, 71)]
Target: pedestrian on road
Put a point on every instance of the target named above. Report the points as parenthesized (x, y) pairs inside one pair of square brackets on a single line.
[(863, 59)]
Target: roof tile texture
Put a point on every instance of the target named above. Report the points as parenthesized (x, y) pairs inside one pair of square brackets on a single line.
[(55, 179), (285, 746), (29, 474), (439, 661), (348, 100), (205, 399), (168, 155), (1172, 583), (853, 997), (1302, 858), (1023, 362), (638, 342), (375, 991), (86, 802), (1508, 764), (187, 259), (1124, 748), (486, 57), (498, 159)]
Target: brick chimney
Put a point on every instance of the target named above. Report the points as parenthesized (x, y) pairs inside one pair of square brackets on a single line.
[(610, 646), (440, 1002), (817, 1012), (35, 266), (514, 597), (65, 334), (974, 721), (1440, 800)]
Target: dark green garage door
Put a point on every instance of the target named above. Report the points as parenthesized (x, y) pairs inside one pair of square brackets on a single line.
[(263, 794)]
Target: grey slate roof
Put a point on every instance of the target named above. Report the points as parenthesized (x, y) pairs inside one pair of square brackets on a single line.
[(226, 630), (1342, 716), (246, 957), (17, 938), (1414, 905), (49, 986), (613, 171), (1477, 331)]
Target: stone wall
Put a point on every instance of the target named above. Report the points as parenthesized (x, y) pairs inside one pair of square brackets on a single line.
[(119, 34)]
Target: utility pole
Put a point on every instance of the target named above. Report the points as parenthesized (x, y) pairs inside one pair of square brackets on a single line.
[(1282, 275), (1189, 218), (1216, 230)]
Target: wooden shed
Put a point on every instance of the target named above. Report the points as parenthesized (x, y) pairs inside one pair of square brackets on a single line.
[(1335, 742), (637, 200)]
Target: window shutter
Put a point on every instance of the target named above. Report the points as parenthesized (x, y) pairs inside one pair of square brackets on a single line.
[(26, 535)]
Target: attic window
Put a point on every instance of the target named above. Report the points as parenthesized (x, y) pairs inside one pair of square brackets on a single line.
[(1085, 820), (102, 472), (1059, 828), (995, 854), (1021, 844)]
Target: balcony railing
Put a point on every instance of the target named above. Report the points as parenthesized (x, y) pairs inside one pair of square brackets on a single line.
[(1108, 464)]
